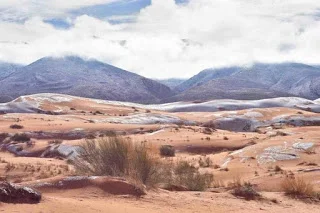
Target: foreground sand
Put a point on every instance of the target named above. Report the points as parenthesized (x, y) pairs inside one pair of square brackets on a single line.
[(91, 200)]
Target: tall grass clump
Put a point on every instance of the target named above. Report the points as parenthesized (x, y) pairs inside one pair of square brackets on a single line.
[(299, 188), (105, 156), (138, 162), (145, 166), (119, 157)]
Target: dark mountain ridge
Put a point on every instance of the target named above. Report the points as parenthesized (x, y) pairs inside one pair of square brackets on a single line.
[(75, 76), (258, 81)]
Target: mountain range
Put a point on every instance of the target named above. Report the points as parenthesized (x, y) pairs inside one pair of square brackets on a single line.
[(93, 79), (79, 77), (255, 82)]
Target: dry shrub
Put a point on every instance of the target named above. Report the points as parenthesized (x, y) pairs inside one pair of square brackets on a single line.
[(299, 188), (16, 126), (190, 177), (105, 156), (277, 169), (243, 189), (139, 163), (246, 191), (117, 156), (144, 165), (206, 163), (167, 151), (20, 137), (218, 183)]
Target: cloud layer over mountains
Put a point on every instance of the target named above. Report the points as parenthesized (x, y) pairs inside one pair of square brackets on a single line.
[(165, 39)]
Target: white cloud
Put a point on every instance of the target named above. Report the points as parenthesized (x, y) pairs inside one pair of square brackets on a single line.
[(169, 40)]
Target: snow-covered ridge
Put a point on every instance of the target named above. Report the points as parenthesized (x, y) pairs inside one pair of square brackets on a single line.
[(32, 102)]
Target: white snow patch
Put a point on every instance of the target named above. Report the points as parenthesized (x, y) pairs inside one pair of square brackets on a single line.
[(143, 119), (253, 114), (303, 146), (237, 152), (50, 97), (226, 162), (156, 132)]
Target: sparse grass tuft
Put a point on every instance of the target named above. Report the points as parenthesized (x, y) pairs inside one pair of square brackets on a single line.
[(206, 163)]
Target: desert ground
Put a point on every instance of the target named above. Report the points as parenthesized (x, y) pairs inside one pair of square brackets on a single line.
[(261, 142)]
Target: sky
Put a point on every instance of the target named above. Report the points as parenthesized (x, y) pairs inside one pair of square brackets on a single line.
[(162, 38)]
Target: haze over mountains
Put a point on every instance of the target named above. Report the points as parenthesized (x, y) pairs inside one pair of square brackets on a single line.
[(93, 79)]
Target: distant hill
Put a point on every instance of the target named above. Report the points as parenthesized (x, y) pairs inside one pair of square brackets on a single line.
[(7, 68), (256, 82), (171, 82), (75, 76)]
